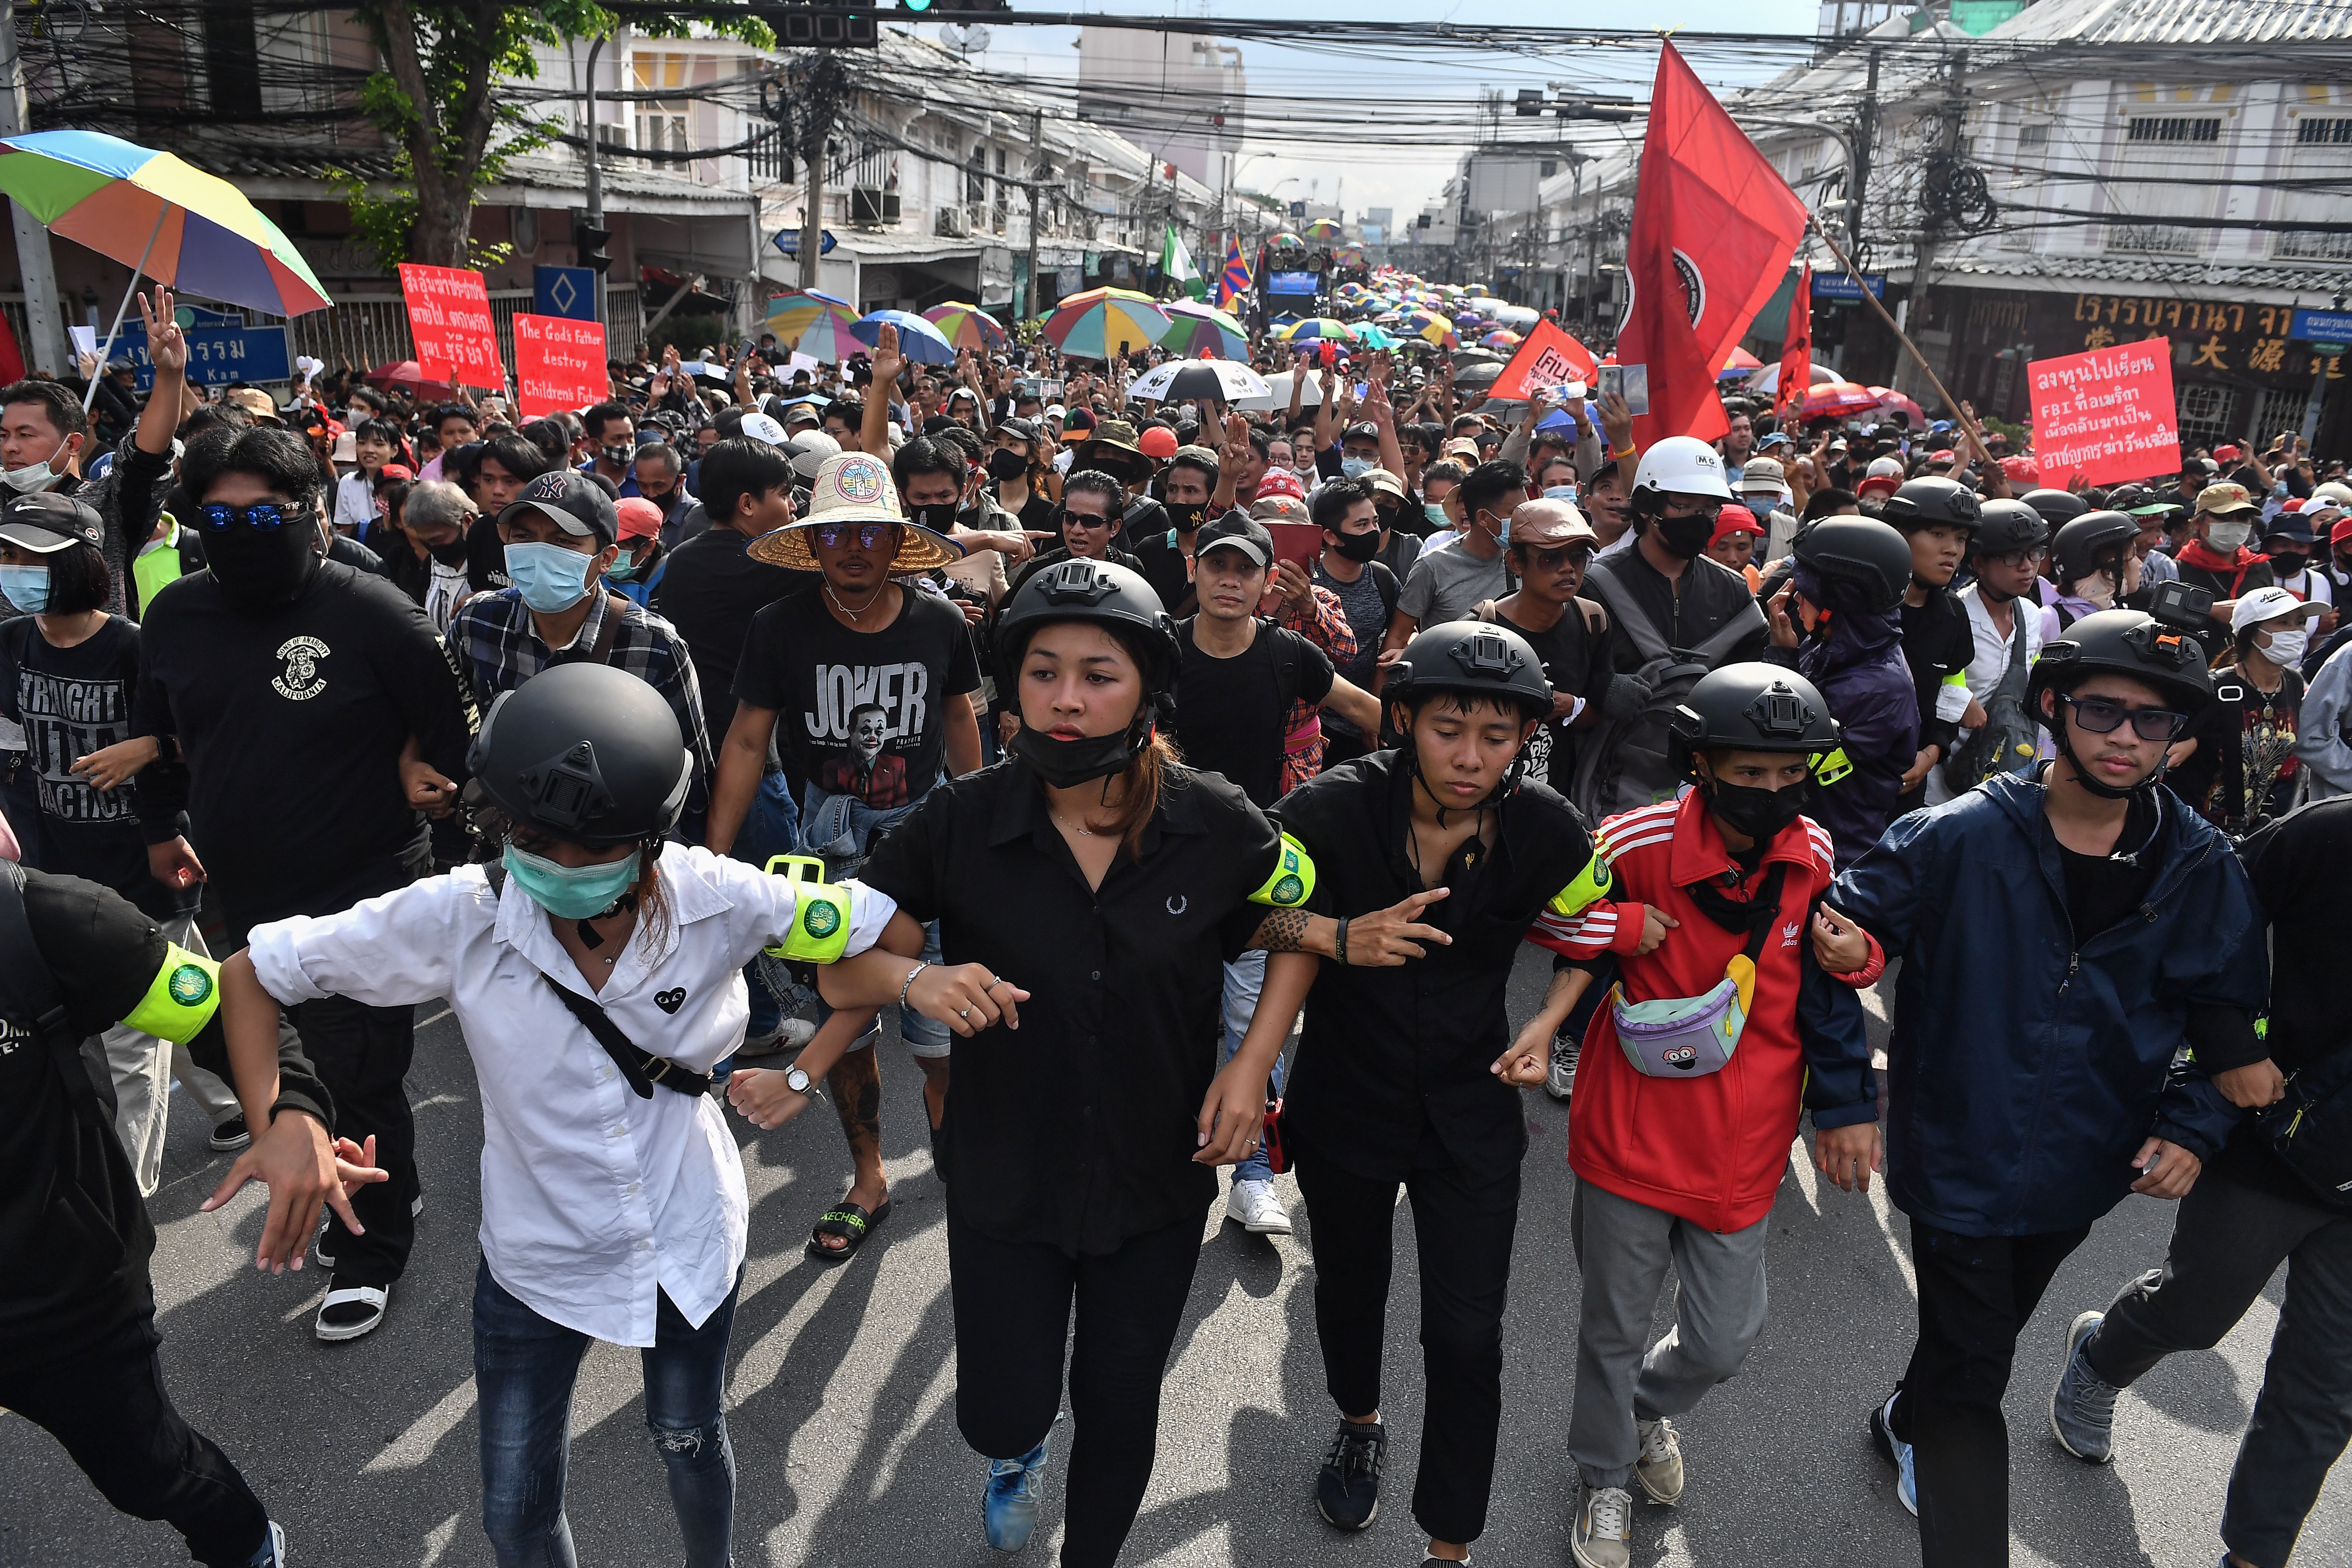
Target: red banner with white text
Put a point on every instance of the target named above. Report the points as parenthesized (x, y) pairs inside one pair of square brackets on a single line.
[(450, 315), (2107, 414), (558, 364)]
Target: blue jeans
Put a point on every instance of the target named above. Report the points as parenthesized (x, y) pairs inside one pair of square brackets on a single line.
[(524, 1367), (1245, 978), (772, 827), (842, 830)]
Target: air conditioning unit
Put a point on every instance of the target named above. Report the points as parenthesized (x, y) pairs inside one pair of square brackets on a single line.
[(952, 224), (867, 205)]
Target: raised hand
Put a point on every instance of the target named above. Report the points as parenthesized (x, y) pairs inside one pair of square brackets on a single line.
[(888, 363)]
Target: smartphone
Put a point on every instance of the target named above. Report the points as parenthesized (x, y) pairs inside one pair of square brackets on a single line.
[(1299, 541), (1613, 380)]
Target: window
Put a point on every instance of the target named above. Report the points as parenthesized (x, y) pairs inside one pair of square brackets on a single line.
[(2176, 127), (975, 184), (660, 126), (2205, 410), (1547, 168), (2033, 138), (2308, 131)]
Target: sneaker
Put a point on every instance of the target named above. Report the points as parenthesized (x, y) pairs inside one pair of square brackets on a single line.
[(2081, 1407), (1660, 1467), (1604, 1523), (1898, 1453), (232, 1134), (789, 1035), (1008, 1509), (1260, 1212), (319, 1253), (1348, 1491), (272, 1553), (1562, 1081), (352, 1310)]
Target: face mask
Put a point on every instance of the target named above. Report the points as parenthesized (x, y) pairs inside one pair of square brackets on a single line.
[(1560, 492), (1065, 764), (2227, 537), (2286, 647), (1760, 814), (1502, 527), (550, 578), (618, 456), (1761, 510), (1358, 546), (39, 476), (1005, 465), (1188, 517), (2288, 562), (1686, 536), (939, 516), (453, 553), (571, 892), (1435, 511), (259, 568), (26, 588), (2099, 588), (1356, 467)]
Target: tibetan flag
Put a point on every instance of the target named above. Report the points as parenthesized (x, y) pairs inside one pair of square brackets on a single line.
[(1234, 280), (1796, 348), (1177, 266)]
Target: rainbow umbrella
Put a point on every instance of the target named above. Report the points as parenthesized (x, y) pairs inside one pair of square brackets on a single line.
[(1372, 337), (1315, 329), (1740, 359), (1430, 328), (968, 326), (1283, 239), (792, 315), (1349, 255), (1505, 339), (1091, 325), (1195, 329), (918, 339), (1324, 229)]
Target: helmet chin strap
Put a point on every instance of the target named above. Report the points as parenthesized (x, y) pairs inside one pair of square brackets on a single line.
[(2098, 787)]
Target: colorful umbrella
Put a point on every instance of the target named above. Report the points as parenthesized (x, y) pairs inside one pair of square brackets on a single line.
[(1101, 322), (1372, 337), (918, 339), (1892, 402), (1324, 229), (1740, 361), (1431, 329), (1349, 255), (1502, 339), (1195, 329), (968, 326), (1315, 329), (792, 315), (1837, 399), (1283, 239)]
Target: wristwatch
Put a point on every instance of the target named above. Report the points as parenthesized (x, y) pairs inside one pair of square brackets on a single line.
[(796, 1080)]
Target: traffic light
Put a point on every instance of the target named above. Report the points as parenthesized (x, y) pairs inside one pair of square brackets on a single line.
[(591, 243), (915, 5), (819, 27)]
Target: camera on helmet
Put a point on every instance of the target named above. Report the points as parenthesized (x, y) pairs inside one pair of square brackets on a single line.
[(2181, 606)]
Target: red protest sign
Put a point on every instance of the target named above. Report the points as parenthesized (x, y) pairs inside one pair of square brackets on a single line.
[(1548, 358), (2107, 413), (449, 314), (558, 364)]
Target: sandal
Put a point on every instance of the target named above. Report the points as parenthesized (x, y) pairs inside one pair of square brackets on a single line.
[(849, 1221), (335, 1324)]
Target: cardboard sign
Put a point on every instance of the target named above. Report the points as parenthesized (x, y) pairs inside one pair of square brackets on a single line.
[(450, 315), (2107, 413), (1548, 358), (558, 364)]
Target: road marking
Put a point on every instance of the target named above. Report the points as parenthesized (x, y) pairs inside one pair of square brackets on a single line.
[(412, 1448), (429, 1023)]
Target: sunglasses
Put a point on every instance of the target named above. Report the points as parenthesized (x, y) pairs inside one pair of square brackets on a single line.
[(1552, 560), (2101, 715), (1085, 520), (263, 515), (870, 535)]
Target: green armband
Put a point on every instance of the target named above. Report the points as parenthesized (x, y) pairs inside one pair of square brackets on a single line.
[(820, 932), (1292, 882), (1591, 886), (182, 999), (1833, 767)]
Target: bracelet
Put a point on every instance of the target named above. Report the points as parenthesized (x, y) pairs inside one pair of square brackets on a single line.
[(1341, 944), (910, 980), (1614, 452)]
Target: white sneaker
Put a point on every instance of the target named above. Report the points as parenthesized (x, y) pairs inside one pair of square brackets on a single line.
[(1660, 1467), (789, 1035), (1561, 1082), (1604, 1523), (272, 1553), (1258, 1210)]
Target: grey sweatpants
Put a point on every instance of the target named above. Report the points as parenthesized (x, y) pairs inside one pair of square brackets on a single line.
[(1623, 1248)]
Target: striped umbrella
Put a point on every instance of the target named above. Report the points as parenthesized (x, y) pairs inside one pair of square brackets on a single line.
[(1430, 328), (1092, 326), (1349, 255), (918, 339), (792, 315), (1501, 340), (1324, 229), (1196, 329), (1283, 239), (968, 326), (1316, 329)]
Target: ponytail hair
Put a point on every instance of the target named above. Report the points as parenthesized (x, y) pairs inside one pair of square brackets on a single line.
[(1150, 771)]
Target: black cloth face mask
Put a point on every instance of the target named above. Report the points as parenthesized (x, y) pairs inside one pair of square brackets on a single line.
[(1188, 518), (453, 553), (1358, 546), (1006, 465), (1760, 814), (262, 568), (1065, 765), (1687, 537)]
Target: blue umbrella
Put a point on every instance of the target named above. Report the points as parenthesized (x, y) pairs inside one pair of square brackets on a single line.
[(918, 339)]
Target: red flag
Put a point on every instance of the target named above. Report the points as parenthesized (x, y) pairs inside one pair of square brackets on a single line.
[(1713, 225), (12, 358), (1548, 358), (1797, 348)]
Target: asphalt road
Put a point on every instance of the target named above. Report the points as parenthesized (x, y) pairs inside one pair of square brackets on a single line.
[(841, 1403)]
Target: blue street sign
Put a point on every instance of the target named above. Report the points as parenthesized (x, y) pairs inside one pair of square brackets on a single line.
[(216, 356), (789, 242), (199, 316), (1841, 286), (563, 291), (2321, 326)]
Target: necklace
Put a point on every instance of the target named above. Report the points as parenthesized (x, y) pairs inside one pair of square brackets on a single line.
[(1077, 828), (845, 609)]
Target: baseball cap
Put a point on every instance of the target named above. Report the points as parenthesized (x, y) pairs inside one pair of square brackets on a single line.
[(1057, 412), (1079, 419), (639, 518), (765, 427), (799, 414), (1236, 531), (45, 522), (964, 394), (1382, 482), (2268, 604), (1464, 448), (2289, 525), (1776, 438), (570, 500), (2224, 499), (1555, 523), (1020, 429), (2341, 532), (1158, 442), (1278, 508), (1731, 521), (1943, 454), (1361, 430), (1281, 483), (2227, 453), (810, 451), (254, 401)]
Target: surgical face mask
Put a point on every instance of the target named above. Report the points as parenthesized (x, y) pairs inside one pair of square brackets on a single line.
[(2227, 537), (38, 477), (1560, 492), (1356, 467), (1435, 511), (619, 456), (1358, 546), (2285, 647), (1760, 814), (571, 892), (26, 588), (550, 578), (1502, 528)]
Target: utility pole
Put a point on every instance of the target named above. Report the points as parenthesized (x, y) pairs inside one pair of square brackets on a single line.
[(1924, 253), (821, 98), (1029, 300), (597, 237), (45, 328), (2318, 392), (1866, 143)]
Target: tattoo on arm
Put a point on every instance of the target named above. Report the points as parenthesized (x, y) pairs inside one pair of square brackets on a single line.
[(1283, 930), (856, 1085)]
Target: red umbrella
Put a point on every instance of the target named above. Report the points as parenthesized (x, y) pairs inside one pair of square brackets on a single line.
[(1892, 402), (409, 377), (1742, 359), (1836, 399)]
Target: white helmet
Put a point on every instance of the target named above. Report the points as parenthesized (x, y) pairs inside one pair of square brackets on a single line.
[(1884, 468), (2334, 490), (1681, 465)]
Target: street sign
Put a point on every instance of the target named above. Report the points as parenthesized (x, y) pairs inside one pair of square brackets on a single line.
[(568, 291), (2315, 327), (1298, 209), (1841, 286), (2330, 350), (789, 242), (216, 356)]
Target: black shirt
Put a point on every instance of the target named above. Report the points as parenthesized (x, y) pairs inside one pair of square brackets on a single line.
[(1231, 712), (292, 722), (1078, 1129), (1576, 662), (861, 714), (2299, 866), (711, 592), (2242, 773), (1936, 643), (1392, 1058), (2104, 890)]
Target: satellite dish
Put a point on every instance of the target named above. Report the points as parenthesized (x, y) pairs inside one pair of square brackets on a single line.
[(978, 40), (965, 39)]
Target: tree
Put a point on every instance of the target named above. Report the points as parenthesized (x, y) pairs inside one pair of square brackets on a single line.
[(435, 96)]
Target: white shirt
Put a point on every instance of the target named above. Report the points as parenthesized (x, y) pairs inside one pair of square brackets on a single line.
[(1991, 662), (593, 1200), (354, 502), (443, 588)]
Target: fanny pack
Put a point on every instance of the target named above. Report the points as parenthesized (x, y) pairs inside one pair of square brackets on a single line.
[(1690, 1037)]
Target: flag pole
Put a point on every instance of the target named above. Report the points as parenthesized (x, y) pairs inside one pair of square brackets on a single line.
[(1968, 425)]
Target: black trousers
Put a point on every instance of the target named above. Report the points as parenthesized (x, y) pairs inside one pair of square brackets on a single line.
[(1012, 1312), (2227, 1241), (363, 1055), (107, 1405), (1463, 1231), (1976, 1293)]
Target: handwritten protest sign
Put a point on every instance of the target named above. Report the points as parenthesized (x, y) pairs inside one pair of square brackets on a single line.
[(1548, 358), (558, 364), (2107, 414), (449, 314)]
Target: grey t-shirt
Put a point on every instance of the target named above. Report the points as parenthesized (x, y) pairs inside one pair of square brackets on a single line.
[(1447, 584)]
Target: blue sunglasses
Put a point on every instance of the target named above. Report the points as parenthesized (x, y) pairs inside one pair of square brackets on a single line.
[(264, 515)]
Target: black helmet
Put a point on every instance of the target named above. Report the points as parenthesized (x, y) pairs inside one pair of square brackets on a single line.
[(2058, 507), (1861, 551), (1114, 597), (1930, 502), (1750, 707), (2077, 550), (1474, 658), (2004, 526), (585, 752), (2124, 642)]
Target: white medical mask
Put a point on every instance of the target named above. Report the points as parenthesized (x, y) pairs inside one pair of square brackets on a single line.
[(1560, 492), (2226, 537), (1356, 467), (2287, 647), (24, 481)]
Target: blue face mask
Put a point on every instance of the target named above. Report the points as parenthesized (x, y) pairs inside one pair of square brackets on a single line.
[(1435, 511), (1356, 468), (1502, 529), (550, 578), (570, 892), (26, 588), (1560, 492)]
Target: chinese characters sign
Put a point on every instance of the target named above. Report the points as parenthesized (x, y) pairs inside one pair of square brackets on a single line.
[(449, 313), (558, 364), (2107, 413), (2209, 335)]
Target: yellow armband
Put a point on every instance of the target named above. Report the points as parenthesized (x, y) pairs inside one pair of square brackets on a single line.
[(1833, 767), (1292, 882), (182, 999), (820, 932), (1591, 886)]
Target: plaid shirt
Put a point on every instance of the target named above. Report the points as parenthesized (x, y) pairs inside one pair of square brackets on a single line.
[(1327, 628), (496, 643)]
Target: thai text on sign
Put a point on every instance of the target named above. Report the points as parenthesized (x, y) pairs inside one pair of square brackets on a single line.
[(2106, 413), (450, 315)]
